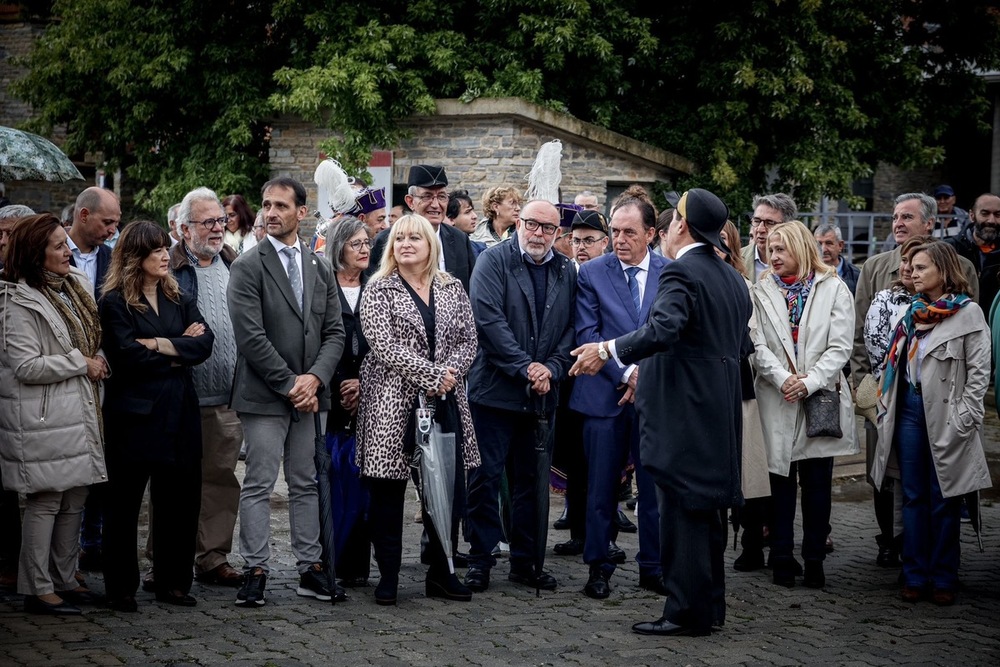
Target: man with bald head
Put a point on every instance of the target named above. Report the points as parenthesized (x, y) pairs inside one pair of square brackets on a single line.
[(980, 244), (96, 217), (522, 297)]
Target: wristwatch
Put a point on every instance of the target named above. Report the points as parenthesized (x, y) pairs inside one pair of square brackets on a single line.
[(602, 350)]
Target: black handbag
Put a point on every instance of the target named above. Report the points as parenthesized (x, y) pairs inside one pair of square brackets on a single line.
[(822, 409)]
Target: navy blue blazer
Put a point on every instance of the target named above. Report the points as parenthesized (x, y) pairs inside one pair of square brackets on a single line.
[(103, 262), (604, 311)]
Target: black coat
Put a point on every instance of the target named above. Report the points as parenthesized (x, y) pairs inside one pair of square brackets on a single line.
[(349, 368), (459, 255), (510, 337), (151, 411), (688, 396), (987, 265)]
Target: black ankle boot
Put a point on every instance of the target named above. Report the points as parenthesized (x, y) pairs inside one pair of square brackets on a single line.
[(385, 592), (814, 577), (446, 585)]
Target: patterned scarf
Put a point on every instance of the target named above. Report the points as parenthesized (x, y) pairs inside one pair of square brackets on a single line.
[(918, 321), (79, 312), (796, 294)]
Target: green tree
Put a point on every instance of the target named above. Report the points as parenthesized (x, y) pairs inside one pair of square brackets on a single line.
[(799, 95)]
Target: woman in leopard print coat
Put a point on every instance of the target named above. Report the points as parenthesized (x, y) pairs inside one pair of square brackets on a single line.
[(405, 301)]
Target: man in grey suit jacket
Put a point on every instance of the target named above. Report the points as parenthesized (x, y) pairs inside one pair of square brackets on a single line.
[(768, 211), (285, 309)]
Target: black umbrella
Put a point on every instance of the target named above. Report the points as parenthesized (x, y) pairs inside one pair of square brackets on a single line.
[(975, 516), (323, 464), (543, 462)]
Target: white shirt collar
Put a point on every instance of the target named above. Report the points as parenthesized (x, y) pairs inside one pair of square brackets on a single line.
[(644, 264), (279, 245), (690, 246)]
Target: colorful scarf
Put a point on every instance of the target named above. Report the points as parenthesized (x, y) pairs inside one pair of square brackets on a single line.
[(918, 321), (796, 294)]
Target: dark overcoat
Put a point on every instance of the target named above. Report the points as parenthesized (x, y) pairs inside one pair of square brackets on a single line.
[(151, 411), (688, 395)]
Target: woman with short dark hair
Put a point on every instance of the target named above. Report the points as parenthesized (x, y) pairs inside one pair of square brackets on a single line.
[(239, 222), (51, 370), (154, 334)]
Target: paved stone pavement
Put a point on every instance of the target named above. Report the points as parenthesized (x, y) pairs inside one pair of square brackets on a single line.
[(858, 619)]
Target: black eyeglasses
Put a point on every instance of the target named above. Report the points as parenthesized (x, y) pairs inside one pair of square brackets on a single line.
[(589, 241), (210, 223), (359, 244), (768, 224), (532, 225)]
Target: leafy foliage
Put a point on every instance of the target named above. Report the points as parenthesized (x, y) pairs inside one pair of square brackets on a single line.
[(804, 96)]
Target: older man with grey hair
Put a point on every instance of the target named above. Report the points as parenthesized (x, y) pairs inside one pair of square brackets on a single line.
[(8, 216), (768, 211), (200, 262), (831, 244)]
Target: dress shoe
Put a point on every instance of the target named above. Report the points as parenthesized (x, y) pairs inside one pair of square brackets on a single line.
[(630, 503), (126, 604), (942, 598), (597, 586), (354, 582), (784, 571), (477, 579), (542, 580), (562, 523), (176, 598), (664, 628), (749, 561), (814, 576), (616, 554), (460, 560), (149, 581), (911, 594), (623, 523), (790, 563), (35, 605), (448, 587), (571, 547), (887, 557), (385, 592), (653, 582), (81, 595), (222, 575)]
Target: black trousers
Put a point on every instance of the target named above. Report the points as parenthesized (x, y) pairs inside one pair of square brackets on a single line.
[(385, 524), (175, 493), (692, 548), (815, 476)]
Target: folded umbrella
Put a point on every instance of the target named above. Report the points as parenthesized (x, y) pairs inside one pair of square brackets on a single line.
[(543, 461), (438, 463), (323, 487)]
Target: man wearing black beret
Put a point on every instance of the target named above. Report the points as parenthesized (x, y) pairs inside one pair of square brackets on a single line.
[(427, 196)]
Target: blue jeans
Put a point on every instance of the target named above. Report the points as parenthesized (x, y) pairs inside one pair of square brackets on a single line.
[(931, 523)]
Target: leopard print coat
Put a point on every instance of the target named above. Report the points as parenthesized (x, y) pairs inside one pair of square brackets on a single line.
[(397, 370)]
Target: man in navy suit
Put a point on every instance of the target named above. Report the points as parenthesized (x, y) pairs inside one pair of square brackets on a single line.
[(615, 293), (689, 400)]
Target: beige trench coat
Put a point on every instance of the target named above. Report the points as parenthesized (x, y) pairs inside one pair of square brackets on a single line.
[(954, 375)]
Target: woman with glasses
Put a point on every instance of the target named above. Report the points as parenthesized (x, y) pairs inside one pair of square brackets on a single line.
[(349, 251), (804, 336), (419, 324), (153, 334), (502, 206), (239, 222)]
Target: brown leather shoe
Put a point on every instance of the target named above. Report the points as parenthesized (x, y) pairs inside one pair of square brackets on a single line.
[(910, 594), (942, 598), (223, 575)]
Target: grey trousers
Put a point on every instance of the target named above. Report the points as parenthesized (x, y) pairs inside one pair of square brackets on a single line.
[(50, 541), (221, 437), (269, 439)]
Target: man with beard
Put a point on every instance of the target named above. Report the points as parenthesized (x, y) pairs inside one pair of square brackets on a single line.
[(522, 297), (200, 262), (980, 244)]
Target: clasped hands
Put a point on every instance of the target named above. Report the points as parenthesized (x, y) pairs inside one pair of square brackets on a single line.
[(794, 388), (303, 393), (448, 382)]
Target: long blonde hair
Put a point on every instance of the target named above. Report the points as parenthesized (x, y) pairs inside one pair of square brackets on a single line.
[(137, 241), (409, 224), (801, 243)]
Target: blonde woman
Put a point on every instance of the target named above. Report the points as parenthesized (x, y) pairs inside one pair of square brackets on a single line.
[(422, 335), (804, 335)]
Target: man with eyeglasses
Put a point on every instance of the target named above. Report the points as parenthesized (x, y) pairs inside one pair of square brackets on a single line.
[(615, 293), (96, 216), (589, 236), (522, 296), (768, 211), (427, 196), (200, 262)]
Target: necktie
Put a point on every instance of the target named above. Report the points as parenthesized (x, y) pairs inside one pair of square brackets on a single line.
[(633, 287), (294, 277)]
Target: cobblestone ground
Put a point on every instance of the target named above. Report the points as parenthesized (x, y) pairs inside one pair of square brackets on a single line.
[(858, 619)]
